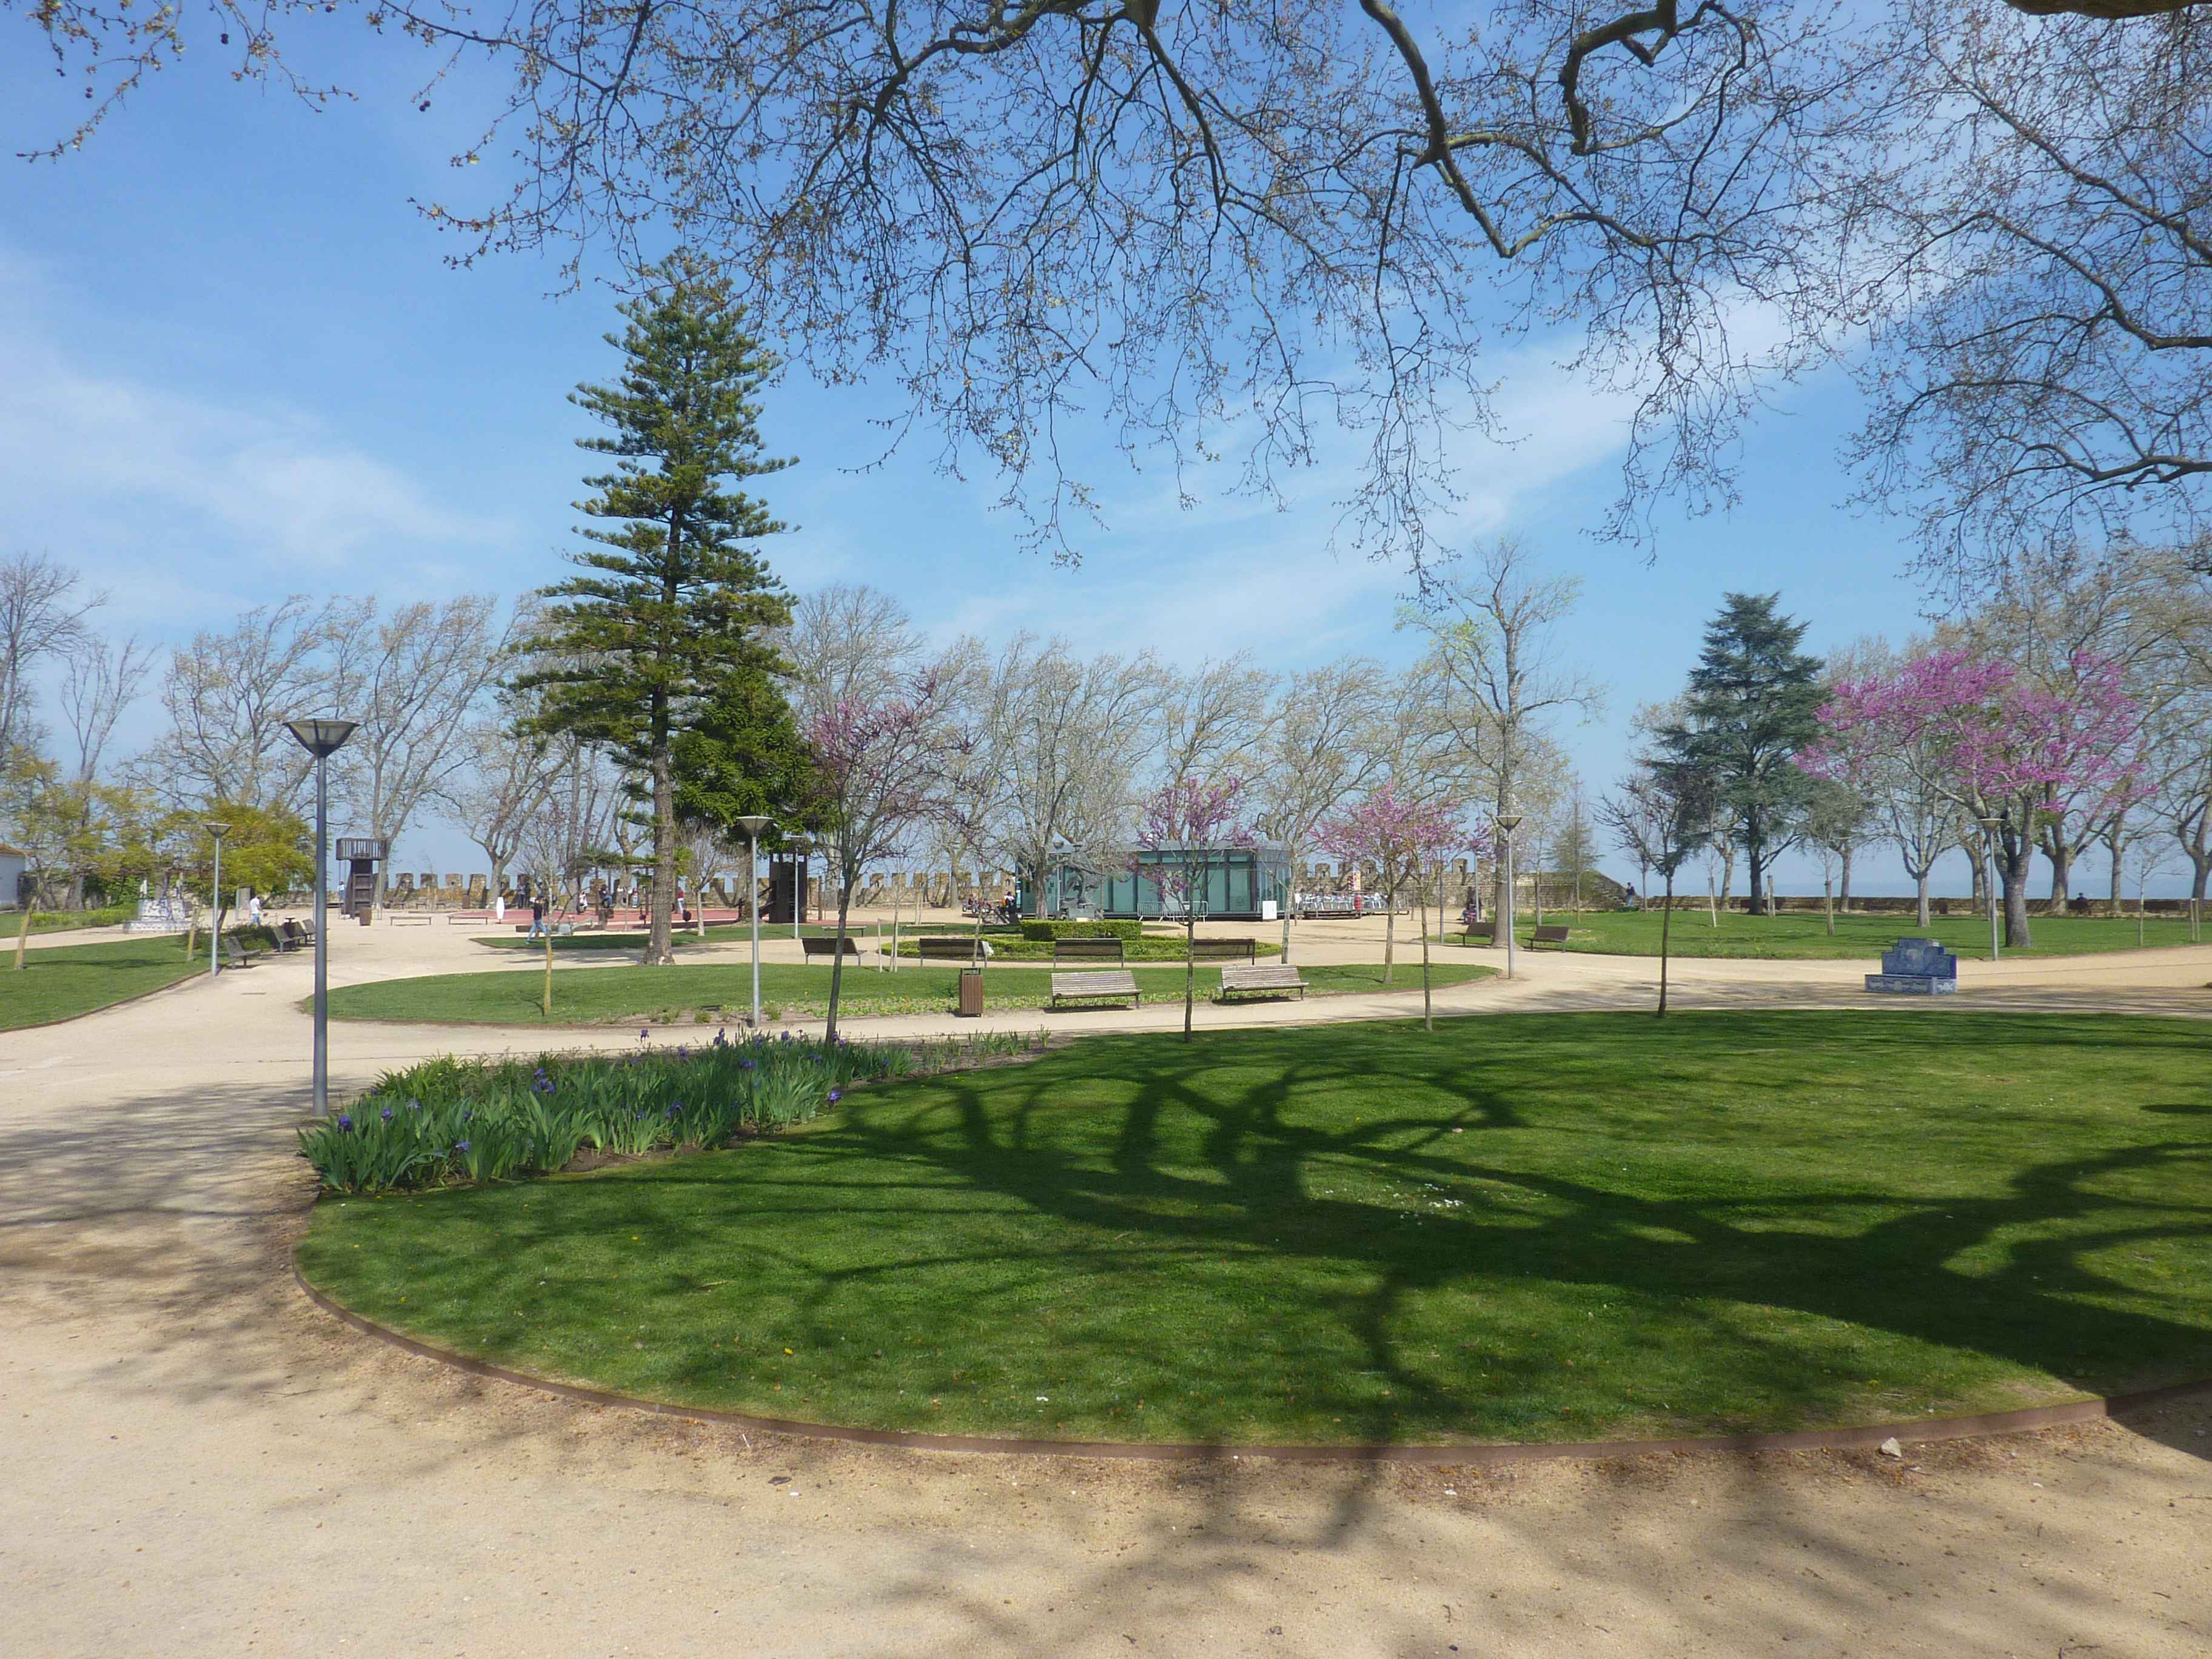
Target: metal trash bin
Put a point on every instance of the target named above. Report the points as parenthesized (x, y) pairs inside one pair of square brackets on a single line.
[(971, 994)]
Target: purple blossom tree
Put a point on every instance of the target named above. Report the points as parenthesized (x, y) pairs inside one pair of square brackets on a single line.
[(2004, 749), (1397, 837), (1182, 826), (884, 771)]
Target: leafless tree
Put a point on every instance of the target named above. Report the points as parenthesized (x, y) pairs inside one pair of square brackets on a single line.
[(1060, 740), (1212, 721), (1330, 738), (2041, 360), (1493, 631), (501, 779), (100, 682), (43, 607), (229, 694), (851, 642), (419, 675)]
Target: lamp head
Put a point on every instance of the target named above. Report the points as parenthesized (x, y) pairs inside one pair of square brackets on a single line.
[(753, 823), (218, 830), (322, 737), (1509, 821)]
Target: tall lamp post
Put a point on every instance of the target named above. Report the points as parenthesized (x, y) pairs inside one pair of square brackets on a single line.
[(1509, 821), (752, 824), (800, 846), (215, 902), (322, 739), (1990, 825)]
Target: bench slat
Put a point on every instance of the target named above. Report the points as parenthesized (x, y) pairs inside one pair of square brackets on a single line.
[(1272, 976), (1102, 984)]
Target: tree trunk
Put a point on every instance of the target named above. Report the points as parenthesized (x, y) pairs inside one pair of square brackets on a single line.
[(1843, 897), (1828, 902), (31, 905), (1755, 872), (2062, 875), (837, 960), (2115, 850), (2015, 867), (1665, 916), (1389, 932), (546, 1002), (1428, 1011), (1920, 896), (1728, 874), (659, 946), (1190, 959)]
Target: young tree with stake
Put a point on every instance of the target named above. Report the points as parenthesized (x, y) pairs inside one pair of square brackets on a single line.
[(1664, 816), (1182, 823)]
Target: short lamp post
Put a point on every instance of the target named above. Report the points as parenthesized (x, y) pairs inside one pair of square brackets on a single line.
[(215, 902), (1509, 821), (1990, 826), (752, 824), (322, 739)]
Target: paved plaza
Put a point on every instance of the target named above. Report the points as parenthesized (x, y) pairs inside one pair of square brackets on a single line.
[(201, 1462)]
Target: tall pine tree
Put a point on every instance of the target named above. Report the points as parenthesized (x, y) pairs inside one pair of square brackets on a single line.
[(672, 611), (1753, 702)]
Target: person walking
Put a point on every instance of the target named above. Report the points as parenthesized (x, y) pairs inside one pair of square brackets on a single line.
[(537, 913)]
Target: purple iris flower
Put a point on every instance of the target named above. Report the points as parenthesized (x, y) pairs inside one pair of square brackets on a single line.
[(344, 1122)]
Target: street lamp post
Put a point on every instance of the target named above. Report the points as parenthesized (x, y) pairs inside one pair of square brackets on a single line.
[(752, 824), (1509, 821), (215, 902), (322, 739), (800, 846), (1990, 827)]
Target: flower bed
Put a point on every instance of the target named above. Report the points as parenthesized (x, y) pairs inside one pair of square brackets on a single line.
[(449, 1119)]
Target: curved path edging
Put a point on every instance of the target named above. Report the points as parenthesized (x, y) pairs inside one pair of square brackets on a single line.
[(1478, 1454)]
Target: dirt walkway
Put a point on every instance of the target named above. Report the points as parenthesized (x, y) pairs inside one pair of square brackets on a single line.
[(203, 1464)]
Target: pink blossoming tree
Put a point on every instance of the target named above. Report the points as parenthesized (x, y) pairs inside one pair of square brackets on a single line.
[(1399, 838), (883, 771), (2002, 749), (1182, 826)]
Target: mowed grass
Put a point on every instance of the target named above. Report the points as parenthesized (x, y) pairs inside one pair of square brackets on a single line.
[(1516, 1228), (634, 939), (61, 981), (610, 996), (1636, 934)]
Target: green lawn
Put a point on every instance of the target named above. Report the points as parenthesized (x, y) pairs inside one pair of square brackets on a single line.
[(1526, 1227), (1636, 934), (60, 982), (614, 996)]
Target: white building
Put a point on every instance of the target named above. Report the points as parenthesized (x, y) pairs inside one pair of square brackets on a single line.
[(13, 862)]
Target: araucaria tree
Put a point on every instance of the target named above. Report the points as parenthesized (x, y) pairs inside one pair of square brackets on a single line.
[(885, 774), (1182, 824), (2004, 749), (1753, 703), (670, 608)]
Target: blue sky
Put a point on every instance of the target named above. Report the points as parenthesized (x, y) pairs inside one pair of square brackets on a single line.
[(234, 365)]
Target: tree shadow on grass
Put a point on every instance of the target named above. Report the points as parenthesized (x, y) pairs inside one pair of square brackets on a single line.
[(1366, 1234)]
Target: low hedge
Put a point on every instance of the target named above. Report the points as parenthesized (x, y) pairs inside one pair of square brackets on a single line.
[(1047, 930), (1151, 947)]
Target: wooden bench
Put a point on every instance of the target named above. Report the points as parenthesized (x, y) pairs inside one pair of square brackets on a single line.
[(1548, 936), (1102, 948), (1484, 931), (948, 948), (295, 936), (412, 918), (827, 947), (1087, 987), (1266, 979), (1225, 950)]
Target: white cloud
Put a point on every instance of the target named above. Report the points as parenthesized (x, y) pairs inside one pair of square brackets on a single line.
[(124, 471)]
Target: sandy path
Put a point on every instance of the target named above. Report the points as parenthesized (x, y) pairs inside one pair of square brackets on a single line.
[(202, 1464)]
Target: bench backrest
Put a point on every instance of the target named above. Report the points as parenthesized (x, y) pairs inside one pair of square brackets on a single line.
[(1480, 930), (1087, 950), (1107, 982), (1217, 950), (827, 947), (942, 948), (1550, 936), (1261, 977)]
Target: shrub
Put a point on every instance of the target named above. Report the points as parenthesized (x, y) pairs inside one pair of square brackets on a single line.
[(1048, 930), (451, 1120)]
